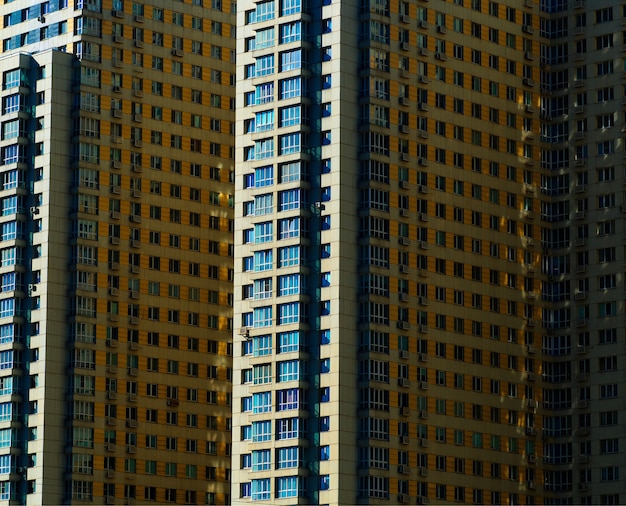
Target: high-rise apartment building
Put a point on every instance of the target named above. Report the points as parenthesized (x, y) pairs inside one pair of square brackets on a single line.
[(429, 252), (116, 168)]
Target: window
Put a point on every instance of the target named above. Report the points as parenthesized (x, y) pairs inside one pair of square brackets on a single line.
[(261, 460), (287, 486), (288, 457), (262, 402), (289, 88)]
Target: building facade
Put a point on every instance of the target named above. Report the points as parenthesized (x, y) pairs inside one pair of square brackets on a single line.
[(429, 254), (117, 167)]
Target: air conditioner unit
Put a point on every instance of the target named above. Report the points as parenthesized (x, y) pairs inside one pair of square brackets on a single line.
[(117, 89), (403, 498)]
